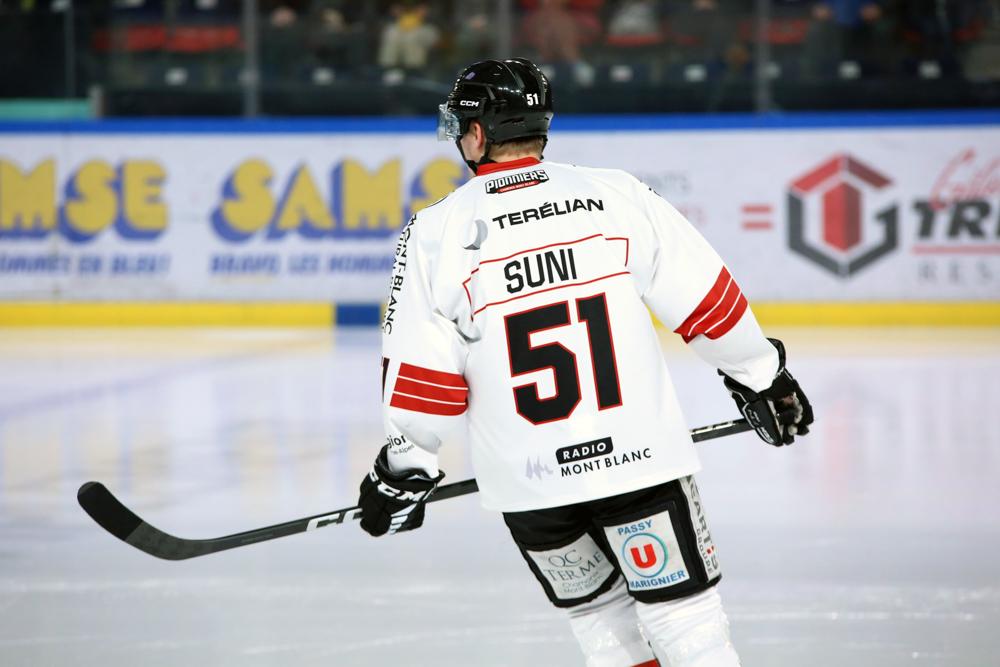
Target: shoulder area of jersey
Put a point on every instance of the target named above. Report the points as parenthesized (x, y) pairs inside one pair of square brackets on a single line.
[(436, 209), (493, 179), (516, 176), (505, 177), (613, 178), (611, 174)]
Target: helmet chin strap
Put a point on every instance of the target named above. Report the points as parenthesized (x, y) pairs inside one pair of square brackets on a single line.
[(473, 165)]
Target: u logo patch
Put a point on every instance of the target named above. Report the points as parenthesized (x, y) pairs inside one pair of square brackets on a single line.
[(648, 552)]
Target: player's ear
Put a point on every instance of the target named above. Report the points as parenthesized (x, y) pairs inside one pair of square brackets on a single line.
[(478, 134)]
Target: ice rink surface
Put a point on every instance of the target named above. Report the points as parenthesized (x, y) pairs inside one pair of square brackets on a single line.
[(872, 542)]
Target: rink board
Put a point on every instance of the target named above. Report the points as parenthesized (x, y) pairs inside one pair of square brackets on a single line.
[(827, 314), (274, 221)]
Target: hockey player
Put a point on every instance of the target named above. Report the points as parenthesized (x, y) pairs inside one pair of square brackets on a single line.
[(519, 311)]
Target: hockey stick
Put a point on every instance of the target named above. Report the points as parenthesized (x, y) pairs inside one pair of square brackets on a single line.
[(124, 524)]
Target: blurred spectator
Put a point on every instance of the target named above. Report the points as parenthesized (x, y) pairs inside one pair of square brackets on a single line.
[(132, 48), (269, 8), (282, 17), (408, 39), (942, 30), (707, 33), (31, 48), (280, 39), (557, 29), (337, 34), (636, 22), (208, 10), (475, 36), (982, 58), (847, 30), (850, 13), (137, 9)]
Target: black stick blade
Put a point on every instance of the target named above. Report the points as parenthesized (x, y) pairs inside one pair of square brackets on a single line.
[(104, 508), (111, 515)]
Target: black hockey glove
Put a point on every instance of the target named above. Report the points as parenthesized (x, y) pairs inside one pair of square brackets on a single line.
[(392, 502), (780, 412)]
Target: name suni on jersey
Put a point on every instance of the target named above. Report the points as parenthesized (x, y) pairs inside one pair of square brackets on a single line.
[(519, 320)]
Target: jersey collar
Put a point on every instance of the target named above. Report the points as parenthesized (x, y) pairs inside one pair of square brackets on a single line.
[(491, 167)]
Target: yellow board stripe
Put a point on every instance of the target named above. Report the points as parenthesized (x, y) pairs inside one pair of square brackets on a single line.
[(166, 314), (959, 314), (324, 314)]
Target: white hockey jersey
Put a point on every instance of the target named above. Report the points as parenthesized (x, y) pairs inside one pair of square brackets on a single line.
[(518, 311)]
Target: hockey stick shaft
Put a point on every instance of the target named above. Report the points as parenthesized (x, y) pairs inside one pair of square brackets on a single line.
[(704, 433), (123, 523)]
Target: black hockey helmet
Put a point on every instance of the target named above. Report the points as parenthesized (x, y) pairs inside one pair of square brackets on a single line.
[(510, 98)]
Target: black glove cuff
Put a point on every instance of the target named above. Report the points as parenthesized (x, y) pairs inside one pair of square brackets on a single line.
[(412, 480), (778, 345), (782, 385)]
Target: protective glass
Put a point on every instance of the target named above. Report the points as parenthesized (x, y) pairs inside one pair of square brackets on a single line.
[(449, 127)]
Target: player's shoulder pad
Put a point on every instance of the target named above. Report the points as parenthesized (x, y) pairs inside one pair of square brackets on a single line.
[(433, 214), (610, 175), (619, 179), (431, 226), (453, 207)]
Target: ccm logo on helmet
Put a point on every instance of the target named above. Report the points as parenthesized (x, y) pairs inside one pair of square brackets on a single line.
[(468, 103)]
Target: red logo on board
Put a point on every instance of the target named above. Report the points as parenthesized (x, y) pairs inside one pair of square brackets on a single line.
[(846, 240)]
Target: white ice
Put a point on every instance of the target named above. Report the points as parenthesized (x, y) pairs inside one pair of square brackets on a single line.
[(874, 541)]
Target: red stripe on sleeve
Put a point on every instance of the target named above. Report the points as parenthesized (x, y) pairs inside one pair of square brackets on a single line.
[(718, 312), (707, 304), (427, 375), (431, 391), (723, 327), (425, 406)]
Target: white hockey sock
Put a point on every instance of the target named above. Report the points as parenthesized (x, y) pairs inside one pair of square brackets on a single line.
[(608, 631), (691, 632)]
